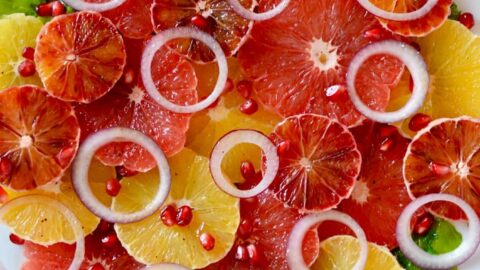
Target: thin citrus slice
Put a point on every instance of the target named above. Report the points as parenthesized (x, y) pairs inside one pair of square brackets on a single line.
[(418, 27), (42, 225), (79, 56), (39, 137), (444, 158), (270, 224), (321, 166), (18, 31), (310, 45), (129, 105), (213, 16), (341, 253), (151, 241)]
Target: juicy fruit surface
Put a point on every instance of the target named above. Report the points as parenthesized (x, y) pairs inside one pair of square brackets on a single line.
[(311, 44), (321, 166), (226, 26), (43, 225), (129, 105), (151, 241), (414, 28), (39, 137), (341, 252), (452, 144), (79, 56), (272, 224), (18, 31)]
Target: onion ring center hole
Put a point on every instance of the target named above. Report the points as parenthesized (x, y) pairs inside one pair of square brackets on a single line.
[(232, 162)]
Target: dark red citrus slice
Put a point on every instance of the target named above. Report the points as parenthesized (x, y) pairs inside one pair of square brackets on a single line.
[(295, 57), (213, 16), (445, 158), (129, 105), (39, 137), (79, 56), (414, 28), (272, 223), (321, 166)]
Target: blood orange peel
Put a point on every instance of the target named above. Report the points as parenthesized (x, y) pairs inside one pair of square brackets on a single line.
[(89, 5), (407, 16), (248, 14)]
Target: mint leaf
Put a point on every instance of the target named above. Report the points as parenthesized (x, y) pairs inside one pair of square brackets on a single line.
[(454, 12), (19, 6)]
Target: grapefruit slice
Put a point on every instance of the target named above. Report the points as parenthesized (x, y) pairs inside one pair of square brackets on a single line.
[(321, 166), (151, 241), (39, 137), (310, 45), (129, 105), (414, 28), (18, 31), (79, 56), (272, 223), (444, 158), (216, 17)]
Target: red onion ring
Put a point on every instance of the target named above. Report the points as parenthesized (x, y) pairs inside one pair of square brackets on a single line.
[(295, 252), (69, 216), (82, 163), (250, 15), (183, 32), (99, 7), (409, 16), (443, 261), (415, 64), (226, 143), (165, 266)]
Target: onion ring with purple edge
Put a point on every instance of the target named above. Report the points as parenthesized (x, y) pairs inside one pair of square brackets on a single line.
[(406, 16), (99, 7), (250, 15)]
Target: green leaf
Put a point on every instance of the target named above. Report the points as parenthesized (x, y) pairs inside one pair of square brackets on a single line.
[(454, 12), (19, 6)]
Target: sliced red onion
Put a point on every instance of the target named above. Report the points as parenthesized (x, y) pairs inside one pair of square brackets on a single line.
[(418, 256), (100, 7), (165, 266), (62, 209), (295, 241), (226, 143), (250, 15), (408, 16), (415, 64), (81, 167), (183, 32)]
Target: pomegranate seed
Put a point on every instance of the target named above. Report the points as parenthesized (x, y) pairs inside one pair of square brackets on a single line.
[(207, 241), (467, 20), (411, 84), (27, 68), (253, 254), (249, 107), (424, 224), (184, 215), (16, 240), (242, 253), (97, 266), (229, 85), (6, 167), (247, 169), (387, 131), (244, 88), (419, 121), (416, 46), (44, 10), (283, 147), (200, 22), (336, 93), (439, 169), (168, 216), (373, 34), (58, 8), (122, 172), (245, 228), (65, 156), (113, 186), (129, 76), (3, 196), (110, 240), (104, 226), (28, 53), (387, 144)]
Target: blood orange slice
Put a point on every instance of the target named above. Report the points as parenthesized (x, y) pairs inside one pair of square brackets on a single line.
[(129, 105), (321, 166), (213, 16), (310, 45), (79, 56), (39, 137), (414, 28), (444, 158), (270, 224)]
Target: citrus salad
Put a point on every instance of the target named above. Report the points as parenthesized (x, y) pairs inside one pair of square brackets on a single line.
[(239, 134)]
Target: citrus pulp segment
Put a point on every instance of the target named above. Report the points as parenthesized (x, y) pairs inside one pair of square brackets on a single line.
[(18, 31), (311, 45), (79, 56), (39, 137), (151, 241), (321, 166)]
